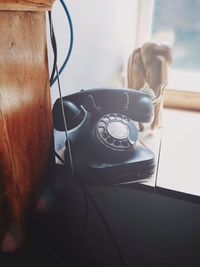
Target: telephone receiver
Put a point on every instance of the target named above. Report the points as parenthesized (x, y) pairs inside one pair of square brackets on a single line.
[(103, 135)]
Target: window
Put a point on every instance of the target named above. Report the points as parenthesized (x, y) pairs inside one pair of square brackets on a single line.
[(176, 23)]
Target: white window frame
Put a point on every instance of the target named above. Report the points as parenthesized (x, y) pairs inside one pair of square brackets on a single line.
[(145, 13)]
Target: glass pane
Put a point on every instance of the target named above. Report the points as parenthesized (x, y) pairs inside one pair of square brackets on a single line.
[(177, 22)]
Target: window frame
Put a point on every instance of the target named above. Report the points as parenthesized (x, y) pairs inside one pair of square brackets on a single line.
[(174, 98)]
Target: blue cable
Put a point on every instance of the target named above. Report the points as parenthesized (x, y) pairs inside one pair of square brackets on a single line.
[(71, 41)]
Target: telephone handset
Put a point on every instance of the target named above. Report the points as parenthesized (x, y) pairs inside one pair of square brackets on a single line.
[(103, 135)]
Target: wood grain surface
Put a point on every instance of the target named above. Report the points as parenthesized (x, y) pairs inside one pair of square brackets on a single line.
[(25, 108), (29, 5)]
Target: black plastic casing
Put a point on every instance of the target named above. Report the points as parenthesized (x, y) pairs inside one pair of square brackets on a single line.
[(139, 108)]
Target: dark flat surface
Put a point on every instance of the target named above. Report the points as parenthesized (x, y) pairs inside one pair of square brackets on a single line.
[(152, 230)]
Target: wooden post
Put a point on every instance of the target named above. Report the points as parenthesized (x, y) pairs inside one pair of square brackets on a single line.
[(25, 108)]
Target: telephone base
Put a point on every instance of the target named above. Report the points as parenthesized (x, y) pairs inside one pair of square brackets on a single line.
[(140, 166)]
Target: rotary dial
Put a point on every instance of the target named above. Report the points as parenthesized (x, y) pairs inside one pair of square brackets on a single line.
[(117, 131)]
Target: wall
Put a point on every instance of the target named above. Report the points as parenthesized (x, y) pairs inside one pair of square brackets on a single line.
[(104, 36)]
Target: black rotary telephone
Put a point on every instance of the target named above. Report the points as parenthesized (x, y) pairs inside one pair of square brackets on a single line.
[(103, 135)]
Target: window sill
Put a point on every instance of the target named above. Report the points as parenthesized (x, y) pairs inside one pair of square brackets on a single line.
[(179, 157), (182, 99)]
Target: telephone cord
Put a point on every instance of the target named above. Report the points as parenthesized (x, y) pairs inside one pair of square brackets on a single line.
[(53, 79)]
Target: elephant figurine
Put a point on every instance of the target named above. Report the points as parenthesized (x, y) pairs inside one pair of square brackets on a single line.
[(148, 72)]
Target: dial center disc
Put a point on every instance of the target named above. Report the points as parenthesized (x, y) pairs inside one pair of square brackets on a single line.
[(118, 130)]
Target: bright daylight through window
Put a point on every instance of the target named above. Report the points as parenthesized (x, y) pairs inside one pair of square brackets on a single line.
[(178, 24)]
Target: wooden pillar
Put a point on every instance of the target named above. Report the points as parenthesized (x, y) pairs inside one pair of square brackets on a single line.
[(25, 108)]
